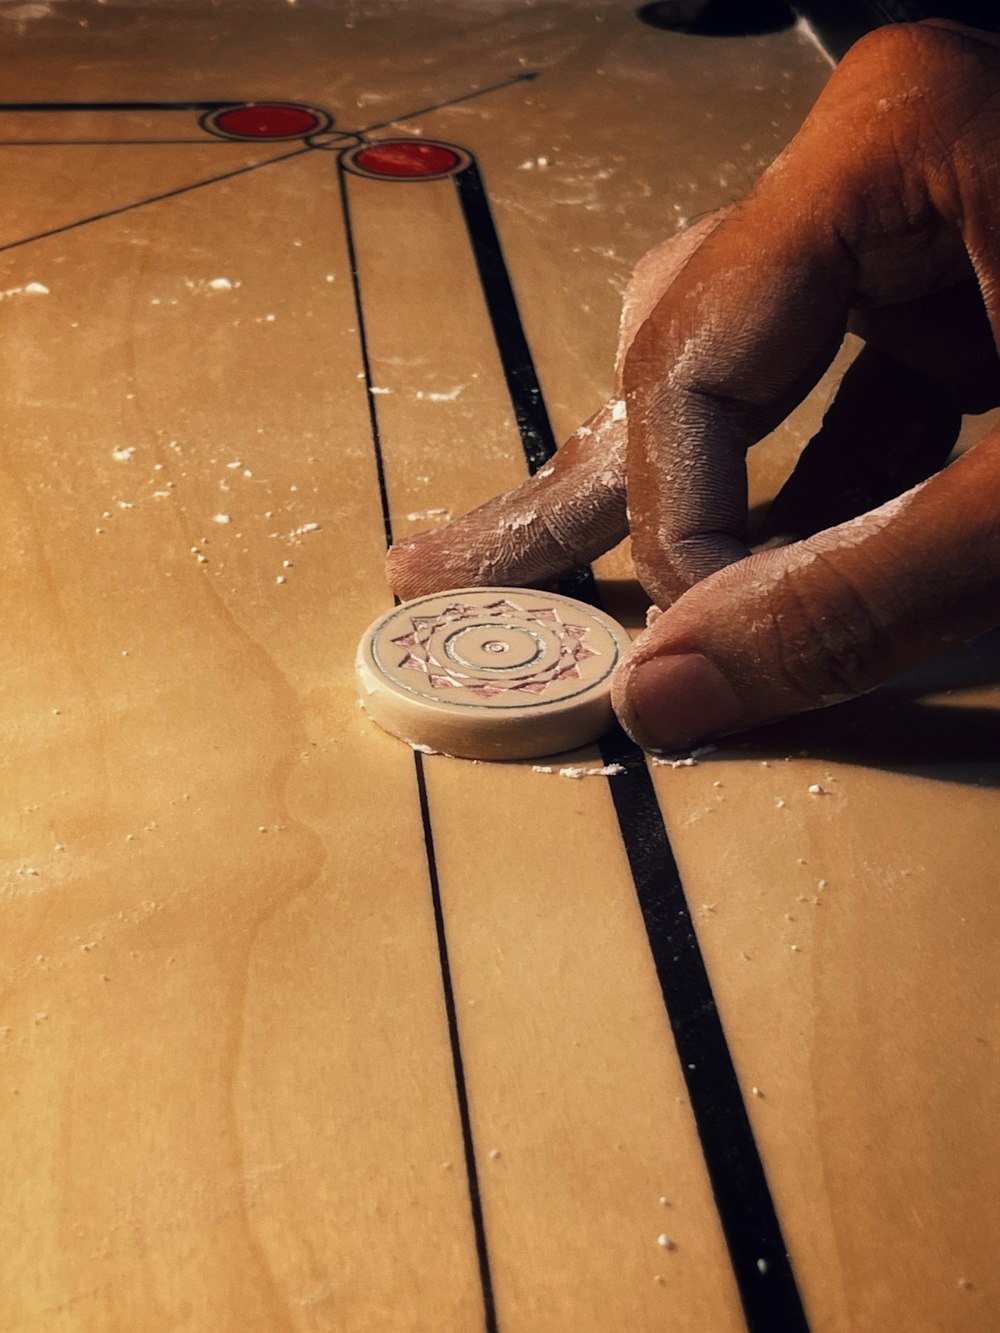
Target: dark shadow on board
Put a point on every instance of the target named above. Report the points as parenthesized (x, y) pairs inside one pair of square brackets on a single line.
[(907, 725), (718, 18)]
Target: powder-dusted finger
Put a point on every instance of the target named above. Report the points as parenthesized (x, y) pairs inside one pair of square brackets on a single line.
[(566, 515), (653, 275), (826, 618)]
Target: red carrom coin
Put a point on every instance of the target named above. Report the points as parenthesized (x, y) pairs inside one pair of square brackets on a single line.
[(267, 120), (408, 159)]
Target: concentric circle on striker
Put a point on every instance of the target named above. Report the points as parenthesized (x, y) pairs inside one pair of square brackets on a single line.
[(478, 648)]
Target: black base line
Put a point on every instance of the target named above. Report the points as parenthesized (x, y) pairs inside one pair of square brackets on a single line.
[(193, 106), (123, 106), (526, 77), (475, 1198), (757, 1250), (366, 365), (458, 1065), (515, 356), (205, 142), (152, 199)]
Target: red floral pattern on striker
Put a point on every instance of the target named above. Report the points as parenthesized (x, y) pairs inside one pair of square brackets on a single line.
[(421, 656)]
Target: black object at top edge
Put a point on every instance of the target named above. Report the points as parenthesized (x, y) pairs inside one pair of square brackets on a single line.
[(840, 23)]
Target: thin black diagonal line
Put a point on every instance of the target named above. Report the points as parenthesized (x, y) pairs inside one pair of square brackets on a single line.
[(472, 1174), (475, 1199), (366, 365), (763, 1271), (451, 101), (152, 199)]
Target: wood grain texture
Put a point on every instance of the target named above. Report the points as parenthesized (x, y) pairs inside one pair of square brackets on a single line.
[(228, 1091)]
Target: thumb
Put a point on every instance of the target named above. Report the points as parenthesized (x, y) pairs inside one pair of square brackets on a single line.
[(824, 619)]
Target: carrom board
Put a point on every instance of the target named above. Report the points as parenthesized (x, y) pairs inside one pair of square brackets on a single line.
[(302, 1030)]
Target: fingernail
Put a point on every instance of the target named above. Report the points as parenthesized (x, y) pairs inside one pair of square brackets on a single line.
[(677, 700)]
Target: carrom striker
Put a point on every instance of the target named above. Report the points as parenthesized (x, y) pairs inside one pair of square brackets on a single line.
[(492, 673)]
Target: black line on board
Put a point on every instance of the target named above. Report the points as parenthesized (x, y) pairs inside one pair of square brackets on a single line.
[(366, 366), (475, 1199), (122, 106), (757, 1249), (515, 355), (205, 142), (472, 1174), (527, 77), (152, 199)]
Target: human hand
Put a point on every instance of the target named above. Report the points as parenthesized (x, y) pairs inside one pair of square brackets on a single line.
[(883, 215)]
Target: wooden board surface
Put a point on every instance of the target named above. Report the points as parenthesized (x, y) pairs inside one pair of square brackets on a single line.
[(302, 1031)]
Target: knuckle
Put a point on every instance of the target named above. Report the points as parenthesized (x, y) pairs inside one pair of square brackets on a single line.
[(896, 48), (668, 570), (659, 570), (655, 273)]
